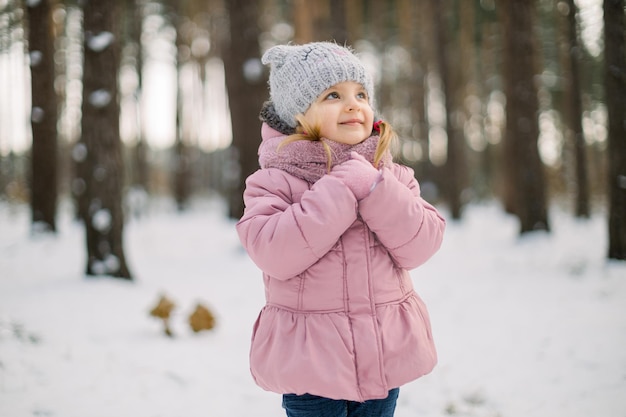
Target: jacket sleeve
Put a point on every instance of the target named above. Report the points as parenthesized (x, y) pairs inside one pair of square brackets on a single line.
[(284, 237), (410, 228)]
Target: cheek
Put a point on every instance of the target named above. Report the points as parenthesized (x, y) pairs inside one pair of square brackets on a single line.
[(369, 117), (313, 116)]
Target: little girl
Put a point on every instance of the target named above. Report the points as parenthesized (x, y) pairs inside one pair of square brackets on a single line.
[(335, 225)]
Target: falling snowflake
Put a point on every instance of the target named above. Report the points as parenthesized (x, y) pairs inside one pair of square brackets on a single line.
[(35, 58), (98, 267), (108, 265), (100, 98), (99, 173), (100, 42), (252, 69), (112, 263), (78, 186), (79, 152), (101, 220), (37, 114)]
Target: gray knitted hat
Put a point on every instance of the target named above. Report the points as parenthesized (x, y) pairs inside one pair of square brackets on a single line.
[(300, 73)]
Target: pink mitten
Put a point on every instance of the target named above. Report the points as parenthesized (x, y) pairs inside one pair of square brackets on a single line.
[(358, 174)]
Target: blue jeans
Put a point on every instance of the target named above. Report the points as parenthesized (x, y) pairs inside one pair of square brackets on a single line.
[(308, 405)]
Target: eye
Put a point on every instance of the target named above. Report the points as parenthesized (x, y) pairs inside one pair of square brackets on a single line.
[(362, 95), (332, 96)]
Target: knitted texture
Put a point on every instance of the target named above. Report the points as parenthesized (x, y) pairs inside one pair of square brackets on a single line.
[(300, 73), (307, 160), (358, 174), (268, 115)]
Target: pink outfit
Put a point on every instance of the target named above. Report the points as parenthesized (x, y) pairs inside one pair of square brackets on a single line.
[(358, 174), (342, 319)]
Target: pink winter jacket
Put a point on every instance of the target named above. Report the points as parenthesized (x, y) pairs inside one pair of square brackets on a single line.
[(342, 320)]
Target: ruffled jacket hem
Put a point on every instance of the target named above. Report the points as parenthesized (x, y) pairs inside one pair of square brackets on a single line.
[(323, 362)]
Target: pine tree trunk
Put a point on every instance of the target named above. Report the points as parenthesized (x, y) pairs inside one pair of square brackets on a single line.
[(338, 22), (414, 33), (304, 21), (574, 114), (182, 148), (526, 182), (419, 29), (98, 153), (615, 84), (140, 177), (455, 150), (247, 89), (44, 170)]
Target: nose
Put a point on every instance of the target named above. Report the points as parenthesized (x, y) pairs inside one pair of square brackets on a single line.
[(352, 104)]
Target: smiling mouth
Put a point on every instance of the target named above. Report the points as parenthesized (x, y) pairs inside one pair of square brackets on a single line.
[(352, 122)]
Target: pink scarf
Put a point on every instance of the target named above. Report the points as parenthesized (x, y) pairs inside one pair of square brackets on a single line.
[(308, 159)]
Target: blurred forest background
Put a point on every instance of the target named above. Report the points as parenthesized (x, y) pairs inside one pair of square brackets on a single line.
[(109, 103)]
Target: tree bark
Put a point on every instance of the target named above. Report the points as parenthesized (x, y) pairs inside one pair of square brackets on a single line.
[(524, 166), (182, 149), (304, 18), (419, 30), (615, 84), (44, 166), (247, 88), (140, 174), (455, 151), (339, 23), (574, 114), (98, 153)]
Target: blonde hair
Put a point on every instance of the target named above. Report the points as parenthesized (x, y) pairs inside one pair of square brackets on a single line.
[(306, 131)]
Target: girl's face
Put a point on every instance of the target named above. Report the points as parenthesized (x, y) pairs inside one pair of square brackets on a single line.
[(343, 113)]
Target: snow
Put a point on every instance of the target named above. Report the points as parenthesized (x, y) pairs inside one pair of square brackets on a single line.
[(531, 326), (99, 98), (110, 264), (252, 70), (100, 42), (78, 186), (101, 220), (37, 114), (79, 152), (35, 58)]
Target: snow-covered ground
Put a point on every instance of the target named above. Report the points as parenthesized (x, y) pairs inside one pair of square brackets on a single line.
[(530, 327)]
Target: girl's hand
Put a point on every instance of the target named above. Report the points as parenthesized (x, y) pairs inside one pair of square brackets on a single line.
[(358, 174)]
